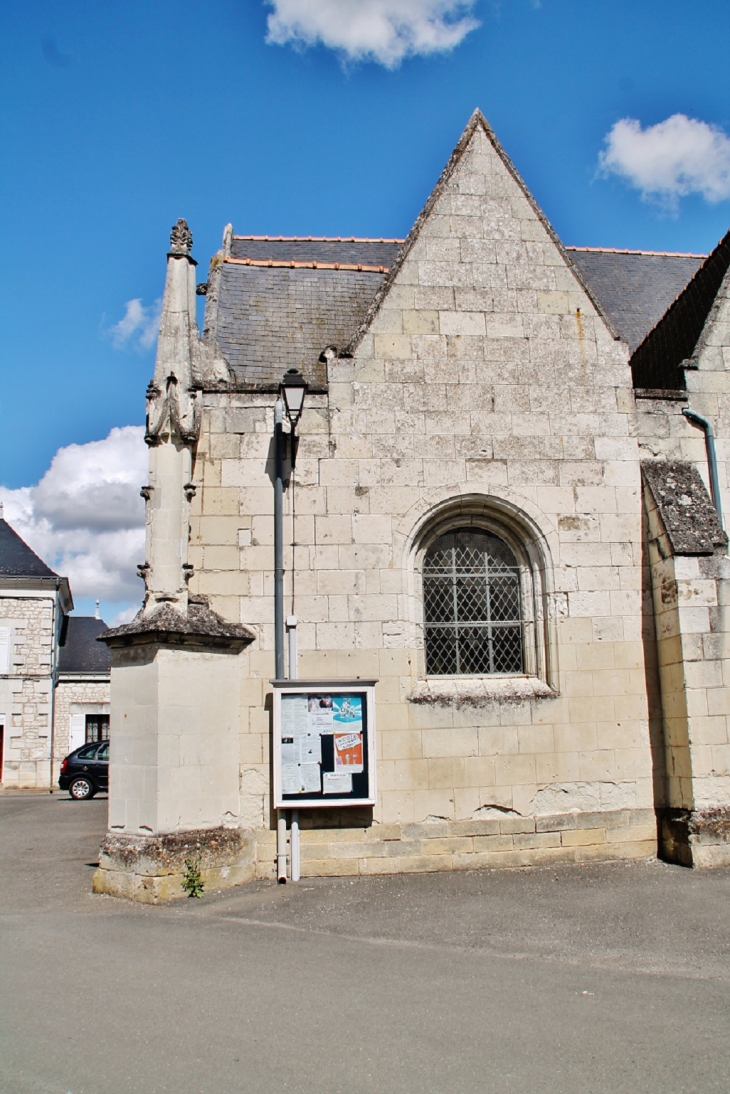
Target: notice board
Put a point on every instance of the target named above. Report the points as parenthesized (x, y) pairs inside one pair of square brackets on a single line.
[(324, 743)]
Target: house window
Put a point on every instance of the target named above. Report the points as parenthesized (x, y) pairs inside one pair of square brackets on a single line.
[(97, 727), (472, 605)]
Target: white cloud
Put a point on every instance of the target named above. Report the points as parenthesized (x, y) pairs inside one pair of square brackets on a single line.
[(125, 616), (85, 517), (384, 31), (139, 326), (670, 160)]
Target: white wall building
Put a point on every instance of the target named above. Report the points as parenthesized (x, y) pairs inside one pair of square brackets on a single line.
[(54, 675)]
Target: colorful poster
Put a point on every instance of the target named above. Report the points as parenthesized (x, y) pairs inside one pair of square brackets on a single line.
[(347, 711), (348, 752), (347, 720)]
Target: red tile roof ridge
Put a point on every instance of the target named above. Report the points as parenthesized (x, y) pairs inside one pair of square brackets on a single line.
[(317, 239), (290, 264), (626, 251)]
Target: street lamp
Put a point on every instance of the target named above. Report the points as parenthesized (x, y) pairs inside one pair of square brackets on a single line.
[(292, 390)]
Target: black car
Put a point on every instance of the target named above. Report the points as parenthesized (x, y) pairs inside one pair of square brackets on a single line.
[(86, 770)]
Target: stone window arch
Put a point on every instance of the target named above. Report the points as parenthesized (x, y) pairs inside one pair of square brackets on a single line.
[(498, 613)]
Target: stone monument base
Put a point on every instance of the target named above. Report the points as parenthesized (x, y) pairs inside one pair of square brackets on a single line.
[(151, 869)]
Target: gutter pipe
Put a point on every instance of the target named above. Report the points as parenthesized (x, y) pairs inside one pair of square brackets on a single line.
[(706, 425)]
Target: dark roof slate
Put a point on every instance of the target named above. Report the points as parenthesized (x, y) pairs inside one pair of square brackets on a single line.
[(16, 557), (79, 651), (366, 252), (635, 290), (657, 363), (273, 319)]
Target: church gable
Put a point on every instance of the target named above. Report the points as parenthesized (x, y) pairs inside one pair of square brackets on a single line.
[(484, 355), (481, 261)]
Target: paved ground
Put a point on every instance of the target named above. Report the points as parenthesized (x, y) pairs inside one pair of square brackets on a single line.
[(578, 980)]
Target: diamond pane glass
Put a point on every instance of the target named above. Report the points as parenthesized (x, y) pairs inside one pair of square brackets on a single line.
[(471, 589), (441, 652)]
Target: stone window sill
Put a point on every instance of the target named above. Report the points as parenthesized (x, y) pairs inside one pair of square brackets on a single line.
[(478, 690)]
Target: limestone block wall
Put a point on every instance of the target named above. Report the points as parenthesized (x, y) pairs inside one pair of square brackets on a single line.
[(90, 694), (25, 691), (487, 389)]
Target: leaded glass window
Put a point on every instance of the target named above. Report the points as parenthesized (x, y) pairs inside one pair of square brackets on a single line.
[(471, 592)]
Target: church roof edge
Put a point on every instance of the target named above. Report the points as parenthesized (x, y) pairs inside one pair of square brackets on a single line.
[(659, 360)]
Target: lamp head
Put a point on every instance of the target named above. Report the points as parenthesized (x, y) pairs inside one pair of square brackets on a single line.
[(292, 390)]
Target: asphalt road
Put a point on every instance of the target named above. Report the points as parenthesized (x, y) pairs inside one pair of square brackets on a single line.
[(577, 980)]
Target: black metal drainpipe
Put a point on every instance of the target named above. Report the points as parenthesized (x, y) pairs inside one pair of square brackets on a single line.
[(706, 425)]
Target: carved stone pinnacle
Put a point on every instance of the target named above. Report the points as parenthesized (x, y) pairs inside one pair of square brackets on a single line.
[(181, 238)]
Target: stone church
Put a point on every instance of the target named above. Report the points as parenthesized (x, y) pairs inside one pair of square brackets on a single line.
[(505, 510)]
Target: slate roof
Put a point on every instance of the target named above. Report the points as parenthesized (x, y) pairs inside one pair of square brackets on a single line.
[(634, 288), (657, 361), (371, 252), (270, 319), (281, 300), (79, 651), (16, 557)]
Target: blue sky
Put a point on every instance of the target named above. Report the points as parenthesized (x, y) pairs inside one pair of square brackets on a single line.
[(118, 118)]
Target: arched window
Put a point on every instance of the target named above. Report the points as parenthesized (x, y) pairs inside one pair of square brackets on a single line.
[(472, 609)]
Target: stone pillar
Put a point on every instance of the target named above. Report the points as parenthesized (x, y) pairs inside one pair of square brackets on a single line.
[(175, 678), (691, 590), (173, 425)]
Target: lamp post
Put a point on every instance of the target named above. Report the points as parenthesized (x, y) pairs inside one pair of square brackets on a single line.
[(292, 390)]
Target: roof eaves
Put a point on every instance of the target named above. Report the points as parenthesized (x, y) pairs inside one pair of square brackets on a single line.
[(625, 251), (291, 264), (317, 239)]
